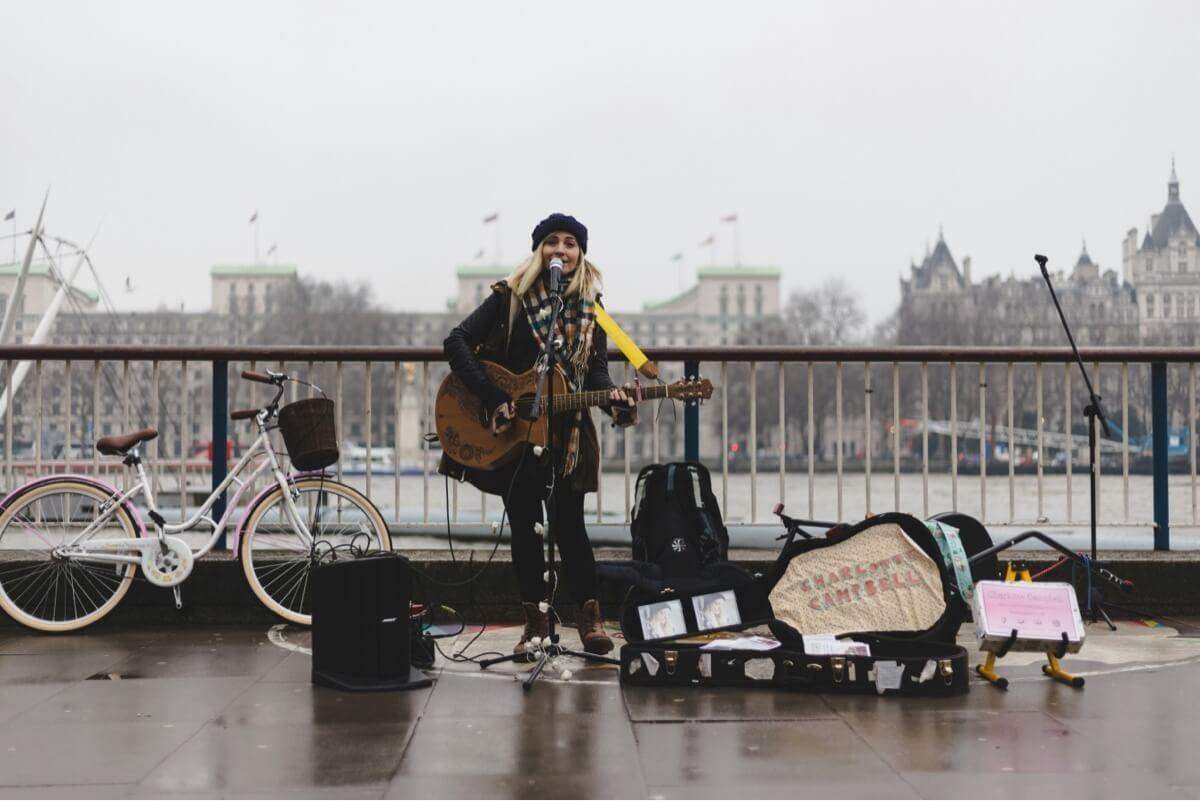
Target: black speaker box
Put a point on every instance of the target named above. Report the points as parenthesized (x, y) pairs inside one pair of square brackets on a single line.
[(361, 625)]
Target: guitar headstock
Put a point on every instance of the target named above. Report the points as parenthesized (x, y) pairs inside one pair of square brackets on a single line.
[(692, 389)]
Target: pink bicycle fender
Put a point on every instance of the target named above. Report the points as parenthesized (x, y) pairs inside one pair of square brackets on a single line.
[(133, 512), (235, 546)]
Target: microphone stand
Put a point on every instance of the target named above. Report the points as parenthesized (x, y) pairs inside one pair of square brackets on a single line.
[(545, 389), (1094, 413)]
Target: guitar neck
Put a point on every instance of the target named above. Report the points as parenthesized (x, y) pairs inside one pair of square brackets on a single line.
[(599, 397)]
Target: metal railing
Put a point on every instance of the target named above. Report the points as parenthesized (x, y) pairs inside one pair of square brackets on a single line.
[(911, 426)]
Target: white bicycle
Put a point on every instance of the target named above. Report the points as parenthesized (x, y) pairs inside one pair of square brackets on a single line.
[(70, 545)]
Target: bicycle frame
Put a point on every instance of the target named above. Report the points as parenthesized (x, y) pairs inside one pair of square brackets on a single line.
[(96, 550)]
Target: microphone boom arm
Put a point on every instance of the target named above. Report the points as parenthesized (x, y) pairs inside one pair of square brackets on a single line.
[(1093, 398)]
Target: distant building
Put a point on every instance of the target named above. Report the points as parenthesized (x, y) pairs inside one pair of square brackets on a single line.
[(936, 289), (250, 289), (725, 306), (941, 304), (1157, 302), (1165, 268), (40, 288), (474, 285)]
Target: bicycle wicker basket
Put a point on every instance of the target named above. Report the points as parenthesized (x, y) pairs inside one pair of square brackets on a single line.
[(309, 433)]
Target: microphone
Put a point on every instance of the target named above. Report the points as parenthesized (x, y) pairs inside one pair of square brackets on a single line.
[(1041, 260), (556, 268)]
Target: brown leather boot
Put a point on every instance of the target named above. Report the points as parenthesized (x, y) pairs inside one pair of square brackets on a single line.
[(591, 629), (536, 625)]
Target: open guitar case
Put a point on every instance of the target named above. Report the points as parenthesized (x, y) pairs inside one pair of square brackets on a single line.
[(881, 582)]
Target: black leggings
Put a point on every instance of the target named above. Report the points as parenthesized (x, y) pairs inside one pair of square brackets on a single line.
[(524, 507)]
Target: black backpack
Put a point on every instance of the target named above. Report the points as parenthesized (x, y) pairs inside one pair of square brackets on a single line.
[(676, 522)]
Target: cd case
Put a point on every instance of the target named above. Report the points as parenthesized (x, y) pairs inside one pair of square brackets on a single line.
[(1027, 616)]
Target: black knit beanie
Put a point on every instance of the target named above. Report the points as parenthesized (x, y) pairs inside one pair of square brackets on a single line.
[(560, 222)]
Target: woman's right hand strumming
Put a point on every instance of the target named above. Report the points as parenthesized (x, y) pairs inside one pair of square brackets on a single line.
[(503, 416)]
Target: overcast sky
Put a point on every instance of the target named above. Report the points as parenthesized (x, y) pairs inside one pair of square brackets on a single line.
[(373, 138)]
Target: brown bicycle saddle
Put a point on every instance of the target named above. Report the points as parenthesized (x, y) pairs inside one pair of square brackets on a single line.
[(117, 444)]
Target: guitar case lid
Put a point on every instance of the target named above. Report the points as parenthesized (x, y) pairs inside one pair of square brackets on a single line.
[(882, 577)]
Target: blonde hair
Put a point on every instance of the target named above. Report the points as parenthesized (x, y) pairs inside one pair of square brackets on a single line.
[(585, 281)]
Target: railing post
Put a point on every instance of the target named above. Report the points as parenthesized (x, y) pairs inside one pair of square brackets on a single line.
[(1160, 435), (220, 436), (691, 418)]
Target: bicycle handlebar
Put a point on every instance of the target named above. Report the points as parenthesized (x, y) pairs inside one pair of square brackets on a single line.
[(270, 378)]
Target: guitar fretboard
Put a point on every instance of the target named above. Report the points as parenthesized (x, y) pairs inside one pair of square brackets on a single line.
[(584, 400)]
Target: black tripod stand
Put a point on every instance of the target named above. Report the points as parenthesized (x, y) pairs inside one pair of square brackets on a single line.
[(1094, 413), (551, 646)]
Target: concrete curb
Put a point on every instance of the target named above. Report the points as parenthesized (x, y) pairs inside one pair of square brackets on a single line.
[(216, 593)]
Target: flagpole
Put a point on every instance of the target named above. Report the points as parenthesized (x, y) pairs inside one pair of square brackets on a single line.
[(254, 222), (735, 218), (494, 220), (711, 244)]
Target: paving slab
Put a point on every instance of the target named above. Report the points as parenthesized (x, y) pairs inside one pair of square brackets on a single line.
[(224, 759), (70, 791), (155, 701), (86, 753), (212, 711)]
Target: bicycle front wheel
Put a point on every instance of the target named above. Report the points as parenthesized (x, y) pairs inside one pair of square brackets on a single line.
[(277, 560), (40, 586)]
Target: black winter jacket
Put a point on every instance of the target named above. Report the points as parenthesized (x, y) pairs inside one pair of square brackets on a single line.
[(484, 335)]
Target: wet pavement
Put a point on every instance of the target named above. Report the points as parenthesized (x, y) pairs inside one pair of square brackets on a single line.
[(210, 712)]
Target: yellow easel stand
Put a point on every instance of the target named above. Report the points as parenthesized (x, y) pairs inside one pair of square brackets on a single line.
[(626, 345), (1053, 670)]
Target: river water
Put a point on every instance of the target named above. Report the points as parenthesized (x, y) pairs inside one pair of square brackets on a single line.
[(1126, 509), (1121, 505)]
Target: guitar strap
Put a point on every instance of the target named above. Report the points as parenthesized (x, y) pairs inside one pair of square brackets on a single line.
[(627, 346), (953, 554), (614, 331)]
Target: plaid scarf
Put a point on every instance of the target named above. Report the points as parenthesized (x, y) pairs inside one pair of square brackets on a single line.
[(574, 330)]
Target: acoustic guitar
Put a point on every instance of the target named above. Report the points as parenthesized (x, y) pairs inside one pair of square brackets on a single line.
[(467, 438)]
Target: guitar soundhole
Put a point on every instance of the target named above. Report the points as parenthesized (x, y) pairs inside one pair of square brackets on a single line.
[(525, 407)]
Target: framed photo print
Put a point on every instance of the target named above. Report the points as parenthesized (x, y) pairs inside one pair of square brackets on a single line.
[(662, 620), (717, 610)]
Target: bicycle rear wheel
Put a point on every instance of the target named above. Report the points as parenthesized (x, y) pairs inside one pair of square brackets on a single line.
[(47, 591), (278, 563)]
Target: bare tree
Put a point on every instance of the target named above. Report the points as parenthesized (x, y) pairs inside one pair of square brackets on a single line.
[(829, 314), (320, 312)]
